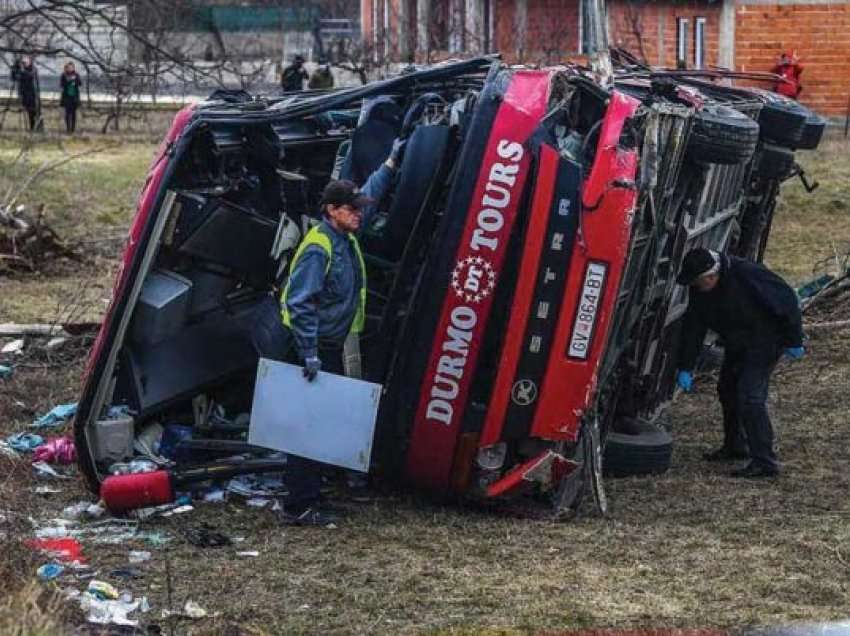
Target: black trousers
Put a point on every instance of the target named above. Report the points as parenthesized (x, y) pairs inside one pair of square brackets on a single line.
[(743, 387), (274, 341), (70, 118), (32, 117)]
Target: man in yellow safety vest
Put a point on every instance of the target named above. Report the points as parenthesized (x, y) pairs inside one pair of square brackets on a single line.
[(323, 301)]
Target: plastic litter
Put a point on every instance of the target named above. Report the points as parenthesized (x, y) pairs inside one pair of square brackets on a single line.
[(126, 573), (83, 510), (7, 450), (106, 612), (102, 590), (5, 372), (43, 469), (215, 496), (139, 556), (56, 416), (190, 610), (50, 571), (24, 442), (16, 346), (248, 553), (258, 502), (57, 450), (64, 549), (46, 490), (256, 486), (179, 510), (134, 467)]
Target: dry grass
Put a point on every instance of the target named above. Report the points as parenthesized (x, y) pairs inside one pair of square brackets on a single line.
[(692, 548), (809, 227)]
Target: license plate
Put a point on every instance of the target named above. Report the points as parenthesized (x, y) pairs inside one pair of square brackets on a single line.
[(587, 310)]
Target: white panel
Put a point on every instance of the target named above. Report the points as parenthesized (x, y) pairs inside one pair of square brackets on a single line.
[(330, 420)]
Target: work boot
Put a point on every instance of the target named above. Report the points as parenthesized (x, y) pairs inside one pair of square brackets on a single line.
[(309, 516), (357, 487), (755, 471), (724, 454)]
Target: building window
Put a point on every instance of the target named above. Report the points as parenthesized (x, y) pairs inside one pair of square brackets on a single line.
[(699, 42), (681, 42)]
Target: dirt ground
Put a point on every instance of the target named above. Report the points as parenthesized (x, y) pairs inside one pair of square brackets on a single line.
[(691, 548)]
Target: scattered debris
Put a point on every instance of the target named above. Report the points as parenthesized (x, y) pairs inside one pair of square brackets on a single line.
[(83, 510), (215, 496), (24, 442), (57, 416), (190, 610), (11, 329), (248, 553), (139, 556), (57, 450), (103, 591), (14, 347), (43, 469), (64, 549), (105, 612), (135, 467), (7, 450), (258, 502), (256, 486), (206, 536), (54, 343), (179, 510), (46, 490), (125, 573), (50, 571), (5, 372)]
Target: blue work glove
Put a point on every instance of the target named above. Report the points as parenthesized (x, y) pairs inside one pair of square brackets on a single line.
[(395, 153), (795, 353), (685, 380), (312, 366)]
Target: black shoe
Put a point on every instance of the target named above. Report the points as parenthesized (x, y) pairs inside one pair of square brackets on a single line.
[(755, 471), (724, 454), (310, 516)]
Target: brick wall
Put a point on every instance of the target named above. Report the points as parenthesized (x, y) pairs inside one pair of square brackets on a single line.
[(650, 27), (551, 31), (820, 33)]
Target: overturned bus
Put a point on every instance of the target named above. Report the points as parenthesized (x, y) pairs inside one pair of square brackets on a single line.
[(522, 310)]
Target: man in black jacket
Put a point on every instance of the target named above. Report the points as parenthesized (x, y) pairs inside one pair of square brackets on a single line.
[(25, 76), (757, 316)]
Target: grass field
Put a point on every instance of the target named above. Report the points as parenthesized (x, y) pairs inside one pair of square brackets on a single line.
[(691, 548)]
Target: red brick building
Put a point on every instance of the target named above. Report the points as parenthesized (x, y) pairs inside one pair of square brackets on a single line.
[(746, 35)]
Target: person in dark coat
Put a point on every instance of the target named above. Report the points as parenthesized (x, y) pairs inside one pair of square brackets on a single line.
[(321, 77), (294, 76), (25, 77), (757, 316), (70, 86)]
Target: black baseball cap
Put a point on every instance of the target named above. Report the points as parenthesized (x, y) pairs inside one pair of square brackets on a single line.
[(344, 192), (696, 262)]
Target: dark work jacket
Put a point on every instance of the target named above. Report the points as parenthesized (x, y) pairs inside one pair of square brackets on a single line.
[(751, 309)]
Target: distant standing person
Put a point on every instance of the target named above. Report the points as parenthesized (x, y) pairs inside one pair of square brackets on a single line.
[(70, 85), (294, 76), (25, 77), (790, 70), (322, 76)]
